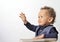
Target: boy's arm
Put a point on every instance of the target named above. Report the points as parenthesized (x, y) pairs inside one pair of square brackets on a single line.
[(39, 37), (26, 23), (30, 26)]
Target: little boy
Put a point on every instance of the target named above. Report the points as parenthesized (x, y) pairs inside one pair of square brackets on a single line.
[(45, 29)]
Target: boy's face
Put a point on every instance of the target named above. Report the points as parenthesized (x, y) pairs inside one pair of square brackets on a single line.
[(43, 17)]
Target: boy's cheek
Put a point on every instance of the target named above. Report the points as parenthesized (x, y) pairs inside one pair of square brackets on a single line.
[(39, 22)]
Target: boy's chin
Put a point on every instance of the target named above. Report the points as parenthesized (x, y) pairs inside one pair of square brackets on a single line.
[(41, 24)]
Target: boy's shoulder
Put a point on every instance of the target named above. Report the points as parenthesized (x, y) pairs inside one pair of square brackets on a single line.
[(52, 29)]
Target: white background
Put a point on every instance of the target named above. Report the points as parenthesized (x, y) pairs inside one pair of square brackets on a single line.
[(12, 28)]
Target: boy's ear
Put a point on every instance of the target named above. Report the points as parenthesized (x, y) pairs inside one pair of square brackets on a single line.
[(50, 19)]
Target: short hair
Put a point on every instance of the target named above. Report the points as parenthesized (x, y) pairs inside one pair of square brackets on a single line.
[(51, 11)]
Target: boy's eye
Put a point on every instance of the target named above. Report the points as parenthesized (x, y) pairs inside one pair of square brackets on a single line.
[(40, 16)]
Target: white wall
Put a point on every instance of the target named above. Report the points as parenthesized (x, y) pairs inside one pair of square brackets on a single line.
[(12, 28)]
